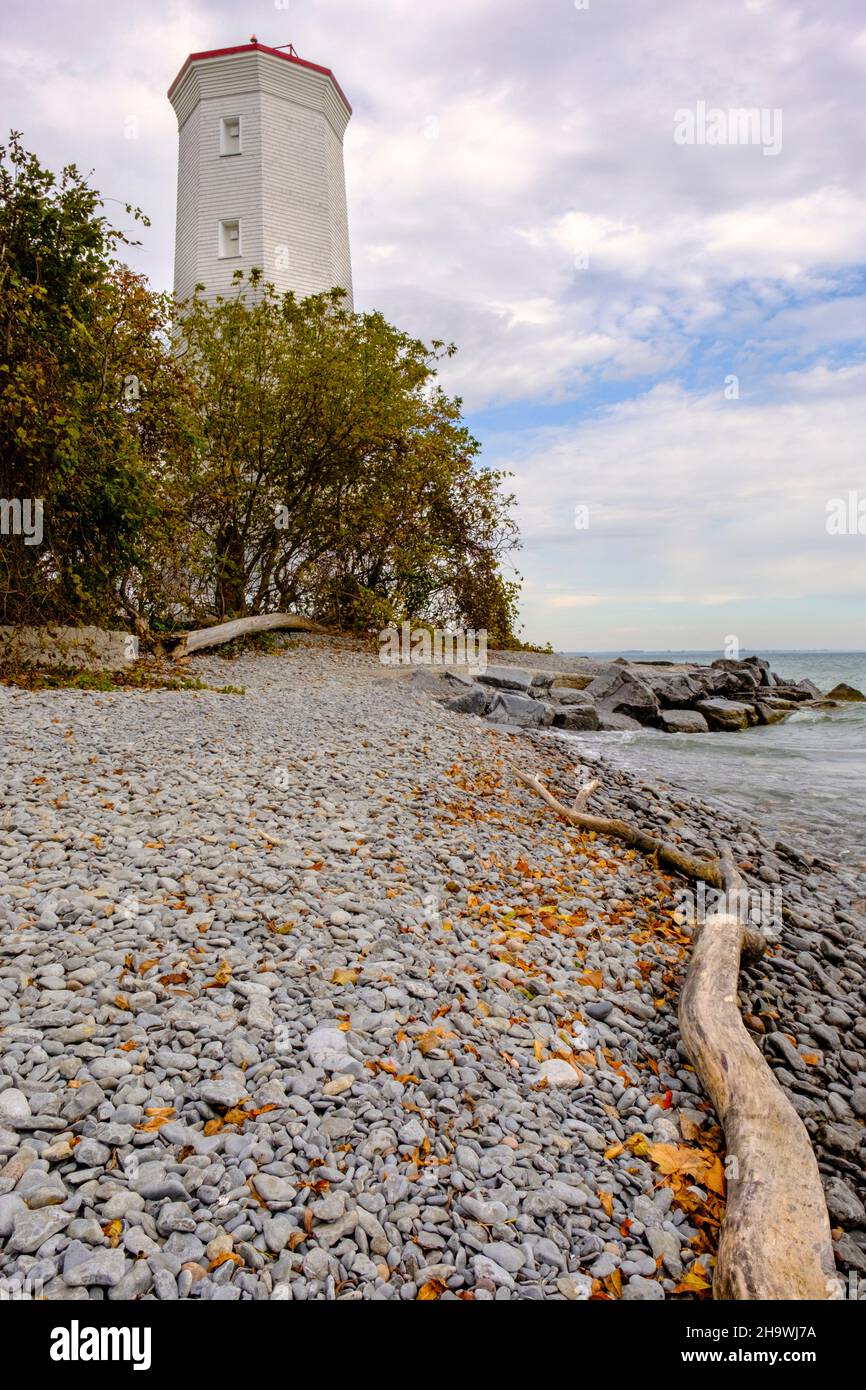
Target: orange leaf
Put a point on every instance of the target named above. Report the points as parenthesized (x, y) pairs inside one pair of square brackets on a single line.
[(593, 978), (113, 1230), (433, 1289), (223, 1258)]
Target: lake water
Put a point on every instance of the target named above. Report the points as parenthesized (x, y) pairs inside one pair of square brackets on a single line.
[(805, 778)]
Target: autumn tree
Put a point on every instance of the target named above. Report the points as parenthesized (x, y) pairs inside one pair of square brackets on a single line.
[(89, 396), (334, 474), (215, 459)]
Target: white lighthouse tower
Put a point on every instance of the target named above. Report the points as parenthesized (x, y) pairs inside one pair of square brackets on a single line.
[(260, 172)]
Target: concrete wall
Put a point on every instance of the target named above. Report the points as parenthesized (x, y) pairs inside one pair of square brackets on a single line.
[(85, 648)]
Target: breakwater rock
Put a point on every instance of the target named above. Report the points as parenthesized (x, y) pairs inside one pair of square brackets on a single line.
[(725, 696)]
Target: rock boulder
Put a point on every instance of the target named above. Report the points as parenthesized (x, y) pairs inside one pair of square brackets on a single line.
[(683, 721), (727, 715)]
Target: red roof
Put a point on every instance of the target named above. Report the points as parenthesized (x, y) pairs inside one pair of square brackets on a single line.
[(261, 48)]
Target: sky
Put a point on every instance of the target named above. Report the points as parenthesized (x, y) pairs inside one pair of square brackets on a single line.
[(659, 305)]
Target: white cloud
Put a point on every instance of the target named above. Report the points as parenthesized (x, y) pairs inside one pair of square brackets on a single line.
[(695, 502), (514, 186)]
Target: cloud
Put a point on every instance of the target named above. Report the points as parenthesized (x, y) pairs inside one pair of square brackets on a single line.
[(699, 503), (515, 186)]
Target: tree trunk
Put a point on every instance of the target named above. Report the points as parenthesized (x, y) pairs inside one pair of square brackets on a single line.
[(226, 632), (775, 1239)]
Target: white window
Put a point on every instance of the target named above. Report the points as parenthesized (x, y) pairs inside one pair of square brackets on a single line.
[(230, 238), (230, 135)]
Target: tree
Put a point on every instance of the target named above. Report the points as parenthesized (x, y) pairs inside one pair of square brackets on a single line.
[(216, 459), (333, 472), (89, 395)]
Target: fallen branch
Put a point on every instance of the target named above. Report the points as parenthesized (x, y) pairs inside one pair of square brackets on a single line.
[(188, 642), (775, 1240), (706, 870)]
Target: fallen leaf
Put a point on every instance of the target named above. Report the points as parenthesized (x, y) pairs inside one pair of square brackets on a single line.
[(113, 1230), (593, 978), (221, 978), (223, 1259), (433, 1289)]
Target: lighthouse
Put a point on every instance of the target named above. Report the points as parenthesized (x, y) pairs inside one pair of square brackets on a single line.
[(260, 172)]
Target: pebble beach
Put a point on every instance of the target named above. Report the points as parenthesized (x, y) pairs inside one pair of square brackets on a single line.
[(303, 996)]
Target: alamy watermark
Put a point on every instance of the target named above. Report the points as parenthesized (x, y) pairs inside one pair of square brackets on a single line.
[(716, 125), (22, 516), (421, 646), (20, 1289), (83, 1343), (846, 516), (759, 908)]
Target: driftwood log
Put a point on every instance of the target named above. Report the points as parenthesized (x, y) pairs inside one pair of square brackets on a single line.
[(188, 642), (669, 856), (775, 1239)]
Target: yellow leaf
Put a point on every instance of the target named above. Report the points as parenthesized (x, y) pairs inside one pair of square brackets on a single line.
[(637, 1145), (606, 1199), (222, 976), (432, 1039), (704, 1166), (345, 977), (434, 1288), (113, 1230), (158, 1118)]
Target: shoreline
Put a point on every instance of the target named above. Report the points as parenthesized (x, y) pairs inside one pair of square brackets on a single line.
[(814, 980), (496, 1055)]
